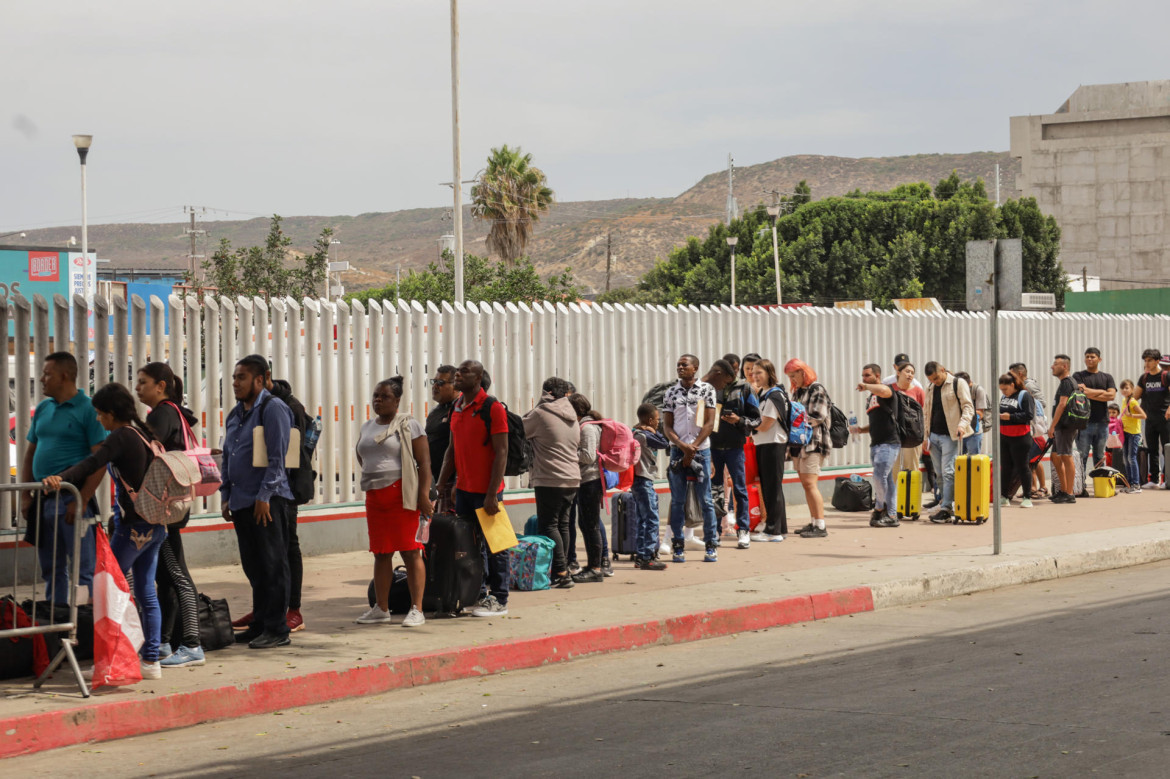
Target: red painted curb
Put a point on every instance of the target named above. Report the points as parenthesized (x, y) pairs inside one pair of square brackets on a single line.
[(107, 721)]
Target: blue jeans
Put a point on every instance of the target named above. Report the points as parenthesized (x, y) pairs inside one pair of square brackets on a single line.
[(943, 450), (135, 546), (678, 496), (733, 459), (1092, 437), (495, 566), (1130, 442), (55, 567), (973, 444), (885, 476), (646, 508)]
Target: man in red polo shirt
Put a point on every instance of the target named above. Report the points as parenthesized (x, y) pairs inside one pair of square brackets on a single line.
[(478, 460)]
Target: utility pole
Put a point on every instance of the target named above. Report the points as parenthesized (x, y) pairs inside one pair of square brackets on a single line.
[(997, 185), (192, 266), (1085, 278), (774, 215), (608, 257), (457, 182), (732, 211)]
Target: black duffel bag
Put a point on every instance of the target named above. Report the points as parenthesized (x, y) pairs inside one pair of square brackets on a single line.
[(215, 624), (850, 495), (399, 600)]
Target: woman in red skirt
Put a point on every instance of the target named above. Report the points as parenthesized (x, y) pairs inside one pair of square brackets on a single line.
[(396, 477)]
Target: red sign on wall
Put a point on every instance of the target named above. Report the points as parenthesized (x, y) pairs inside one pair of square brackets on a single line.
[(43, 266)]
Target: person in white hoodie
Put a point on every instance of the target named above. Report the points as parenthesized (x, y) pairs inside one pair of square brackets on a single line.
[(553, 429)]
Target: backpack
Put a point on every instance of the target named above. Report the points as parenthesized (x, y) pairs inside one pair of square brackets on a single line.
[(657, 394), (519, 448), (1077, 410), (838, 427), (794, 419), (618, 450), (909, 420), (302, 481), (168, 487)]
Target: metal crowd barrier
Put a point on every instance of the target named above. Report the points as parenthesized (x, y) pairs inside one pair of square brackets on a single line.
[(42, 535)]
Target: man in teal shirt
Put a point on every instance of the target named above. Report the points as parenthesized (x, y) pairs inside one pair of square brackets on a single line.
[(64, 431)]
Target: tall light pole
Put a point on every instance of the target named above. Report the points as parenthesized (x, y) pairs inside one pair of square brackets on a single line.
[(457, 179), (329, 268), (83, 142), (732, 241), (774, 214)]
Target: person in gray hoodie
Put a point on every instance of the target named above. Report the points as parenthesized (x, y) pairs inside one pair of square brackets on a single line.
[(553, 429)]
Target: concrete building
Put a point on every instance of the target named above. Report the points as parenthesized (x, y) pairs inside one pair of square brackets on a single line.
[(1101, 166)]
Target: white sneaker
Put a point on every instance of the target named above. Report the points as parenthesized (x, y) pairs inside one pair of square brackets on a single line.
[(766, 537), (1004, 501), (744, 541), (374, 616), (664, 549), (1149, 486), (151, 670), (414, 618), (695, 543), (1026, 503), (490, 607)]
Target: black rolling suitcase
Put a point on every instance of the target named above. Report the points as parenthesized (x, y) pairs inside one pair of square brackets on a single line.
[(454, 566), (623, 534)]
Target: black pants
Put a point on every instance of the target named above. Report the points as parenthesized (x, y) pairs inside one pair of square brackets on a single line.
[(770, 461), (552, 511), (589, 518), (176, 592), (296, 568), (1016, 464), (1156, 438), (264, 556)]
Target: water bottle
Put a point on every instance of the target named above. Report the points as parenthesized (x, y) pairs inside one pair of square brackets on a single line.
[(424, 529), (313, 434), (853, 424)]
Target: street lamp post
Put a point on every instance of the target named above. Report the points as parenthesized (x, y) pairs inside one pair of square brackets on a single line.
[(732, 241), (774, 214), (83, 142), (328, 270)]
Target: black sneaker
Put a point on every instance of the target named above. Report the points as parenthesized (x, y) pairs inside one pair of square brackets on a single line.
[(886, 521), (875, 516), (606, 567), (588, 576), (942, 517), (809, 528), (648, 564), (812, 531), (269, 641), (563, 582), (932, 505), (573, 567), (246, 636)]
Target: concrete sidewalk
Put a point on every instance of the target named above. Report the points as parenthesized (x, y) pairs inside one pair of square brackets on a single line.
[(856, 568)]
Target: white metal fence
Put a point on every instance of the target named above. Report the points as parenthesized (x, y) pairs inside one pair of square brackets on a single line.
[(333, 352)]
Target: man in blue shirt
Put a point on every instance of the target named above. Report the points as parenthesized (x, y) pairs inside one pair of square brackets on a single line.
[(258, 501), (64, 431)]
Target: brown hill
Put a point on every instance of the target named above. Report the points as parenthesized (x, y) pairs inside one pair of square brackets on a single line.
[(572, 234)]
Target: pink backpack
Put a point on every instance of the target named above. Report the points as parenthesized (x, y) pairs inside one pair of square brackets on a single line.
[(618, 449)]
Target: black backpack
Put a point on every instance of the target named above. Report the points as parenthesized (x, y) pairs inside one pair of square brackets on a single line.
[(909, 420), (838, 427), (519, 448)]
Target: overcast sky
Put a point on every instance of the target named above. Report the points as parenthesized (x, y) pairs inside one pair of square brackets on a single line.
[(344, 107)]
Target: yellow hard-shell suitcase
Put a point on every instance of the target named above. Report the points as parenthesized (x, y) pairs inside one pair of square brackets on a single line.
[(972, 488), (909, 494)]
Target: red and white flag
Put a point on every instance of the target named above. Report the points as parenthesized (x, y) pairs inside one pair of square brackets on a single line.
[(117, 633)]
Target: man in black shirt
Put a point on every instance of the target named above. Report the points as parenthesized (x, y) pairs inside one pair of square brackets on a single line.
[(1100, 389), (739, 416), (1062, 432), (438, 427), (885, 448), (1153, 390)]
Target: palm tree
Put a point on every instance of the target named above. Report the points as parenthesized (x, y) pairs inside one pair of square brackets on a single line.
[(510, 194)]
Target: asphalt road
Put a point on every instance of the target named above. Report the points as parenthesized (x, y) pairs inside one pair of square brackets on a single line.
[(1064, 678)]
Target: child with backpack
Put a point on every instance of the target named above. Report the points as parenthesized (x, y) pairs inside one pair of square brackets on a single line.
[(645, 498), (1132, 415)]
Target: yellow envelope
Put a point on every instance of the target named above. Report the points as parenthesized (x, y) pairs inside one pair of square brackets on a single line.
[(497, 529)]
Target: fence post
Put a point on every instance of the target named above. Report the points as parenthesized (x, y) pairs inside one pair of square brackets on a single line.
[(157, 328)]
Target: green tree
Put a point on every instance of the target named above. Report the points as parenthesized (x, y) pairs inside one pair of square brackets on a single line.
[(483, 281), (510, 195), (908, 242), (270, 270)]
